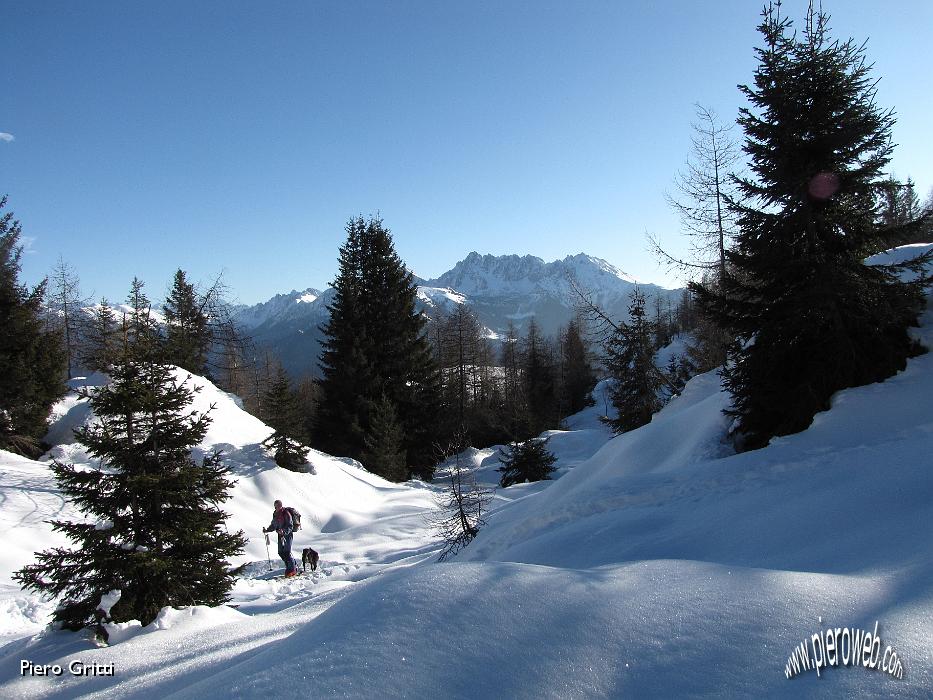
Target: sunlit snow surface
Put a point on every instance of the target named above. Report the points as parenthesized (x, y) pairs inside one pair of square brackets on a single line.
[(658, 564)]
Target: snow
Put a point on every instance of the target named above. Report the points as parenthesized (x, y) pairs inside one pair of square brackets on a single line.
[(900, 255), (444, 298), (658, 563)]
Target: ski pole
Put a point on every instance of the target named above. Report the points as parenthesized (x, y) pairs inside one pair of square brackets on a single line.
[(267, 549)]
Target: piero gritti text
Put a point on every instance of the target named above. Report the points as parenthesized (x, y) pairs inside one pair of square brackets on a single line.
[(76, 667)]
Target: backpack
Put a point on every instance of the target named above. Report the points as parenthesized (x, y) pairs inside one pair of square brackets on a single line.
[(296, 518)]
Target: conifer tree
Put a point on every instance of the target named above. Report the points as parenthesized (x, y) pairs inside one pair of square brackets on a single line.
[(141, 337), (538, 379), (384, 452), (102, 340), (346, 365), (283, 416), (159, 536), (812, 318), (630, 361), (32, 362), (524, 462), (577, 374), (187, 334), (374, 345)]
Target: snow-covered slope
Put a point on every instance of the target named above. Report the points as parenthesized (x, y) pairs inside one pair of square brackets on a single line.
[(664, 565), (357, 520)]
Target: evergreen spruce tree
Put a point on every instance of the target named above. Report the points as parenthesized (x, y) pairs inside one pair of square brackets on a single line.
[(538, 372), (524, 462), (159, 536), (346, 365), (384, 452), (187, 333), (32, 360), (141, 337), (811, 316), (284, 417), (630, 361), (374, 345), (102, 340), (577, 374)]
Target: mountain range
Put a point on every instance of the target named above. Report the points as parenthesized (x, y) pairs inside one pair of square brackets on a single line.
[(499, 289)]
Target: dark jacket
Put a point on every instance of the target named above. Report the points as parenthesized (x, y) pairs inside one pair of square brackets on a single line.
[(281, 522)]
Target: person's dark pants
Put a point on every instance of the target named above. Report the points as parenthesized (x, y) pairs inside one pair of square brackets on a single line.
[(285, 551)]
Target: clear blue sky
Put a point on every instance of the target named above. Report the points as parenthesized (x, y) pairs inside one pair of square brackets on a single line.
[(241, 136)]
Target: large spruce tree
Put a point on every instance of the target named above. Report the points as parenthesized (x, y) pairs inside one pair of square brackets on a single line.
[(811, 316), (154, 528), (32, 359), (375, 346)]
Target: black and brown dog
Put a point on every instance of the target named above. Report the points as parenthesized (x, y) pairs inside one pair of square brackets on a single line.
[(309, 556)]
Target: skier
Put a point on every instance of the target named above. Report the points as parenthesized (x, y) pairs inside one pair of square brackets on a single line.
[(282, 525)]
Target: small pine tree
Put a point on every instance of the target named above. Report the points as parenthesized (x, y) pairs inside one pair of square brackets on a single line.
[(188, 336), (283, 416), (577, 375), (538, 380), (526, 462), (160, 537), (141, 338), (32, 360), (384, 452), (102, 341), (630, 361)]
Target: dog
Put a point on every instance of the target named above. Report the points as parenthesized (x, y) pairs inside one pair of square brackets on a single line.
[(309, 556)]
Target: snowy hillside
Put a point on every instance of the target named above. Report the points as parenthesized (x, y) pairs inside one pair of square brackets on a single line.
[(499, 289), (357, 520), (658, 564)]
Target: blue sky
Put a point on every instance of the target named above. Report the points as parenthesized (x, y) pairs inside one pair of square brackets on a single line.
[(240, 137)]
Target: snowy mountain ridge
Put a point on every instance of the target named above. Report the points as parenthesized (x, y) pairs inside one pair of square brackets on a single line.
[(499, 289), (491, 275), (281, 306)]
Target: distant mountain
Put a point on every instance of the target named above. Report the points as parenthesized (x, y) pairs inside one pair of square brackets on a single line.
[(516, 288), (499, 289), (280, 308)]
